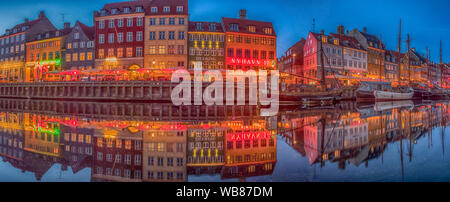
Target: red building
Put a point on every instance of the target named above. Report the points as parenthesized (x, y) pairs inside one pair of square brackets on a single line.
[(119, 31), (292, 60), (249, 44), (117, 156)]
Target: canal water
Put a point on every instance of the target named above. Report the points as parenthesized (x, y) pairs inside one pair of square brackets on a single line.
[(56, 141)]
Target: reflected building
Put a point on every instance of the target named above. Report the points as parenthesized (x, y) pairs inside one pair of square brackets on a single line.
[(206, 152), (77, 146), (165, 153), (117, 154), (250, 150)]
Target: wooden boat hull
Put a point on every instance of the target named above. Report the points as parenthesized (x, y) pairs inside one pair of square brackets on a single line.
[(392, 96)]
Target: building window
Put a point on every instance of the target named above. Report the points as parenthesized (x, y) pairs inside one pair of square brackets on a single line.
[(139, 9), (120, 23), (101, 24), (111, 24), (111, 38), (154, 9), (120, 37), (166, 9), (180, 9), (138, 36), (162, 50), (171, 35), (130, 54), (181, 35), (162, 21), (171, 21), (129, 22), (111, 54), (101, 39), (89, 56), (181, 21), (77, 35), (101, 53), (162, 35), (140, 21), (152, 21), (68, 57), (129, 36), (152, 36), (252, 28), (139, 52), (82, 56), (152, 50)]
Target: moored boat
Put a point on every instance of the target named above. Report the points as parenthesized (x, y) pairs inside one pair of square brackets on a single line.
[(400, 94)]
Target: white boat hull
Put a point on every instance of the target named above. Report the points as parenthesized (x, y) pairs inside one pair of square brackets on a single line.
[(383, 95)]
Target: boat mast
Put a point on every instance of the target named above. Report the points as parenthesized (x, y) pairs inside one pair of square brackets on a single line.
[(399, 53), (322, 66), (381, 54), (408, 41)]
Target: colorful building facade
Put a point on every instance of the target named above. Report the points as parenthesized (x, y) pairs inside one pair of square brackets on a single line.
[(119, 35), (375, 53), (79, 46), (45, 53), (166, 31), (250, 44), (206, 45), (13, 50)]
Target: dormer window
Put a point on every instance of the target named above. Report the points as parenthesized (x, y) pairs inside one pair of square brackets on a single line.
[(324, 39), (127, 10), (103, 12), (57, 33), (114, 11), (336, 42), (39, 37), (154, 9), (212, 27), (252, 28), (268, 31), (234, 27), (198, 26), (139, 9), (166, 9), (47, 35), (23, 28), (180, 9), (15, 30)]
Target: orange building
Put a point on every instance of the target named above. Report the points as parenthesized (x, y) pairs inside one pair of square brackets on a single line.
[(44, 54), (249, 44)]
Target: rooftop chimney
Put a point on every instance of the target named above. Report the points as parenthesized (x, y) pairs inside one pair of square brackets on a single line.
[(365, 30), (26, 20), (340, 29), (41, 14), (322, 32), (66, 25), (243, 14)]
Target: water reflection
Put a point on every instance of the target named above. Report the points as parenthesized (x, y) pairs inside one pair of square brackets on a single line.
[(72, 141)]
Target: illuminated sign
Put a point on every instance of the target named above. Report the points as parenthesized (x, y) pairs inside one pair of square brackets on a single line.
[(252, 62), (249, 136)]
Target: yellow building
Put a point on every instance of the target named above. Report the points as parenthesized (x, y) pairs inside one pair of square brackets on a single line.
[(166, 30)]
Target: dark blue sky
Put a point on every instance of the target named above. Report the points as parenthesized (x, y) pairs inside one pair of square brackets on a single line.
[(426, 20)]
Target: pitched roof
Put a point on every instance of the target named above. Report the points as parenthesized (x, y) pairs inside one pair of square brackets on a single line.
[(88, 31), (160, 4), (374, 39), (205, 27), (25, 25), (243, 26), (347, 41), (52, 34)]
